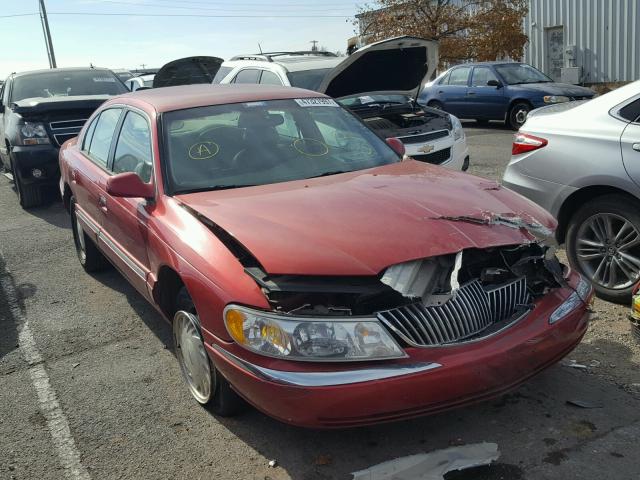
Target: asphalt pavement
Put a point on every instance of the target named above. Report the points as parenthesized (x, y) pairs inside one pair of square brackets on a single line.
[(89, 387)]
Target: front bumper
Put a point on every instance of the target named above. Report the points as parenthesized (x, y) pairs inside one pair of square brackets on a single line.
[(429, 381), (43, 157)]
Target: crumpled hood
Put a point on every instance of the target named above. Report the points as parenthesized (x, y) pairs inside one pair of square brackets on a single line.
[(359, 223), (556, 89)]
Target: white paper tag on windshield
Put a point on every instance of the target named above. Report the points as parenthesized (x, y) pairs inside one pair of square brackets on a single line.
[(366, 99), (104, 79), (316, 102)]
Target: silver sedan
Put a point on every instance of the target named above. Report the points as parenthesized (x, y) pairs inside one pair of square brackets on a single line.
[(581, 162)]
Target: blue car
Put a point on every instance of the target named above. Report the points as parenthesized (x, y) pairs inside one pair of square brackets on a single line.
[(497, 91)]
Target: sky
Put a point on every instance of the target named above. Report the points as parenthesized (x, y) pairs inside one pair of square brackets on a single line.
[(178, 28)]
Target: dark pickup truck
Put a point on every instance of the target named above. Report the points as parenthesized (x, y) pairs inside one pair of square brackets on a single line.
[(39, 111)]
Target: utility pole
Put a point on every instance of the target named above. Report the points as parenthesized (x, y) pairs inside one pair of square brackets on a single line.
[(47, 35), (314, 45)]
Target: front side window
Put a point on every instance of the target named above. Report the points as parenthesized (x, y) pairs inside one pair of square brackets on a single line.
[(482, 75), (133, 148), (66, 84), (257, 143), (520, 73), (249, 75), (103, 135), (270, 78), (459, 76)]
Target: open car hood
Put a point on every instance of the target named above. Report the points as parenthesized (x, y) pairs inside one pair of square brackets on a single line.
[(400, 64), (361, 222), (187, 71)]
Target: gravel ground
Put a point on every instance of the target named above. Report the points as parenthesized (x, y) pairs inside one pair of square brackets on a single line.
[(111, 388)]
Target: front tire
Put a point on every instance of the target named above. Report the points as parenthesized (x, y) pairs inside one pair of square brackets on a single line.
[(29, 196), (518, 115), (205, 383), (603, 243), (436, 104)]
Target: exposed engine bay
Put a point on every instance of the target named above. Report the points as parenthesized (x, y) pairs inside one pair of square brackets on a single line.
[(432, 281), (402, 120)]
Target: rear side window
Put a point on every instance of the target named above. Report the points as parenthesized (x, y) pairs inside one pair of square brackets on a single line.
[(270, 78), (249, 75), (459, 76), (221, 73), (87, 136), (103, 135), (631, 112), (133, 150)]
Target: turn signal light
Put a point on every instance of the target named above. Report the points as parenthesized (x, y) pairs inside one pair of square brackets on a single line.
[(523, 142)]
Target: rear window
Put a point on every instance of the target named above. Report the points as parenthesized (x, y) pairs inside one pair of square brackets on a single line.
[(66, 84), (309, 79)]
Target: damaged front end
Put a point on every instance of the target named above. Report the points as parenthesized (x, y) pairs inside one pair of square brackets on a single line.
[(432, 301)]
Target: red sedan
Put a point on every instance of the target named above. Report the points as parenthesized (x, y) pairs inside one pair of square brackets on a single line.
[(307, 266)]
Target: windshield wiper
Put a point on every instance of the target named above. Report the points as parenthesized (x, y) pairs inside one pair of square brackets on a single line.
[(212, 188), (332, 172)]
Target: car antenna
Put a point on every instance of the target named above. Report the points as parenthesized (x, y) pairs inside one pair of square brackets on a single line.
[(260, 48)]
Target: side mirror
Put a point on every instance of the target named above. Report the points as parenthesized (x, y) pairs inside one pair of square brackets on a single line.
[(397, 145), (142, 88), (494, 83), (129, 185)]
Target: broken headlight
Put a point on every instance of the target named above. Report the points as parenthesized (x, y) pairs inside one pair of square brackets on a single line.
[(310, 338), (578, 297)]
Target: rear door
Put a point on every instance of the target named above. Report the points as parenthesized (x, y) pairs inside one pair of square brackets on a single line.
[(630, 139), (485, 101), (4, 95), (124, 233), (89, 175), (452, 91)]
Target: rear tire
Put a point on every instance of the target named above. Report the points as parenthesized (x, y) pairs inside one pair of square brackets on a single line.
[(29, 196), (220, 398), (91, 259), (607, 262)]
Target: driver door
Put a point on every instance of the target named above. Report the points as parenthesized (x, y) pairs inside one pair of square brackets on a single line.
[(125, 227)]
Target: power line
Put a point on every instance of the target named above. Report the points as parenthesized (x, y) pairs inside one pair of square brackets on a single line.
[(20, 15), (222, 9), (214, 6), (268, 15), (262, 4)]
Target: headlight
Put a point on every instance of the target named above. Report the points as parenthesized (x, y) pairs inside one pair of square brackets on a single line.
[(309, 338), (555, 99), (33, 134), (458, 133), (570, 304)]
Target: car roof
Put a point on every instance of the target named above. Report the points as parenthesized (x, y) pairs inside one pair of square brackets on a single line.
[(293, 63), (56, 70), (494, 62), (167, 99)]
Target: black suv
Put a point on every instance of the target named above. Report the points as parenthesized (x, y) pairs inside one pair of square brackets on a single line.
[(39, 111)]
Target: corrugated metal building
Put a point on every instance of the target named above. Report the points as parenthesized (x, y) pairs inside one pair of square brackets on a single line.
[(584, 41)]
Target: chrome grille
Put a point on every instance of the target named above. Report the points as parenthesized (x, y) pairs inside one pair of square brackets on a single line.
[(63, 130), (471, 311)]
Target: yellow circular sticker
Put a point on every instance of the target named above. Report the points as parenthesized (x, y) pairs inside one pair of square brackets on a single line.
[(203, 150), (310, 147)]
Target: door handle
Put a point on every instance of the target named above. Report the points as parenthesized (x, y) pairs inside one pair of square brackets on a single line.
[(440, 91), (636, 147), (102, 203), (471, 93)]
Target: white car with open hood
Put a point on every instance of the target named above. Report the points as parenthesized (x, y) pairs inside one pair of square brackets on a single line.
[(378, 83)]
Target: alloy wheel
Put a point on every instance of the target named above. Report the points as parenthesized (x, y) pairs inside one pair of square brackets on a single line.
[(608, 250), (192, 356)]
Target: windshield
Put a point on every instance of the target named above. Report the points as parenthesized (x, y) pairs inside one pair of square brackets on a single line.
[(309, 79), (257, 143), (66, 84), (516, 73)]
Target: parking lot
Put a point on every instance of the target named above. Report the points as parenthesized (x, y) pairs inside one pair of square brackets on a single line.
[(90, 385)]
